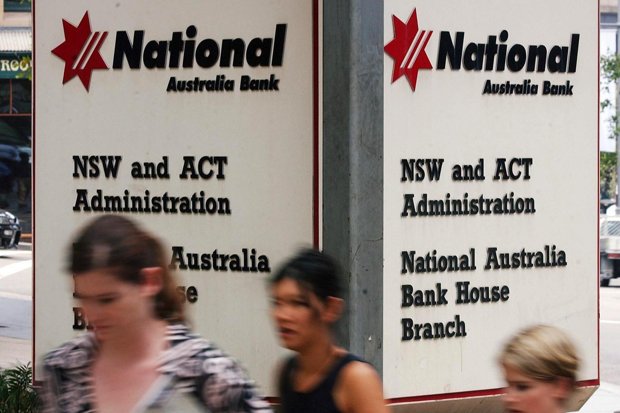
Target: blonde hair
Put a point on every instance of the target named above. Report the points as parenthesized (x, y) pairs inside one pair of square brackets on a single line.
[(543, 353)]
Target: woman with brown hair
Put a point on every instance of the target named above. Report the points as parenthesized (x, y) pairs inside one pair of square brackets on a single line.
[(139, 354)]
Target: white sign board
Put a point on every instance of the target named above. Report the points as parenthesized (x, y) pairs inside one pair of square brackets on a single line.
[(196, 118), (491, 187)]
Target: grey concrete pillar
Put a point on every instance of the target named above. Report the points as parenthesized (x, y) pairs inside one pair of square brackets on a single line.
[(353, 165)]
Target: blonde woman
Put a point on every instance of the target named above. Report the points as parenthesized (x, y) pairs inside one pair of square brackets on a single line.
[(540, 365)]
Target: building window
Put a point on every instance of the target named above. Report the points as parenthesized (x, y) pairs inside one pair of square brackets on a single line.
[(15, 147), (15, 97)]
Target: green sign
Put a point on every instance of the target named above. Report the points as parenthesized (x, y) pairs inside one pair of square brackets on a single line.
[(15, 65)]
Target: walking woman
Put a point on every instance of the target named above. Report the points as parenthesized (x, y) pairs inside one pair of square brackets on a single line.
[(320, 377), (139, 354), (540, 365)]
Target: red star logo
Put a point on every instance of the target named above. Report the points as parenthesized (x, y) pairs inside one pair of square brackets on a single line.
[(407, 49), (80, 51)]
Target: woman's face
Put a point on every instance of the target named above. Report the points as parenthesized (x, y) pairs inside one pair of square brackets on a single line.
[(297, 314), (526, 395), (111, 305)]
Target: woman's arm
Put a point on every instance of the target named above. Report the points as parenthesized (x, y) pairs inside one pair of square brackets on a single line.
[(225, 387), (359, 389), (48, 392)]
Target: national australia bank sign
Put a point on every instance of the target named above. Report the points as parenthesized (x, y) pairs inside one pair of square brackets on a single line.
[(182, 50), (494, 55)]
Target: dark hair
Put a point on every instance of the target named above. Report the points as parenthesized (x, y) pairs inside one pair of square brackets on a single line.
[(314, 270), (118, 244)]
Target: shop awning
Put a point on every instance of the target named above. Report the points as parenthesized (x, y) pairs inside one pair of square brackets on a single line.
[(15, 39), (15, 52)]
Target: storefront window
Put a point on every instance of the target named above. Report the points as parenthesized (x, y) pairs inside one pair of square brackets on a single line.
[(15, 96), (15, 148), (21, 96), (5, 93)]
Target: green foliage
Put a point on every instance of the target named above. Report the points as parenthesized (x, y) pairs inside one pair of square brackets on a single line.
[(16, 392), (26, 60), (610, 72), (607, 171)]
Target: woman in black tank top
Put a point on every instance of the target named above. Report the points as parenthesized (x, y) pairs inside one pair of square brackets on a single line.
[(321, 377)]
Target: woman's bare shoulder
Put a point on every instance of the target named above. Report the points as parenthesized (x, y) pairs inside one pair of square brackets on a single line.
[(359, 389)]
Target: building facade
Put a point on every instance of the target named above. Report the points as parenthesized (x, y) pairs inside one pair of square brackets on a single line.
[(16, 108)]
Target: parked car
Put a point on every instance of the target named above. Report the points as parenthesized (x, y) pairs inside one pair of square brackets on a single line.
[(609, 248), (10, 230)]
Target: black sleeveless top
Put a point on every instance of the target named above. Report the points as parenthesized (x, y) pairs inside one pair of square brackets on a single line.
[(318, 400)]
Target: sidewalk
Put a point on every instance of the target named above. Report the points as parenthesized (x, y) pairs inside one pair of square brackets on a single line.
[(14, 351), (606, 399)]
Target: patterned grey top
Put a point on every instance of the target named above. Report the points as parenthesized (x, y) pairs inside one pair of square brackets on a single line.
[(190, 365)]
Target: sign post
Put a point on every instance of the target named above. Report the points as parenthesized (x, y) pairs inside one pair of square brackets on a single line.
[(490, 188), (198, 120)]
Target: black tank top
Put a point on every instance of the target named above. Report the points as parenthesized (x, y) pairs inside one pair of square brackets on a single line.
[(318, 400)]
